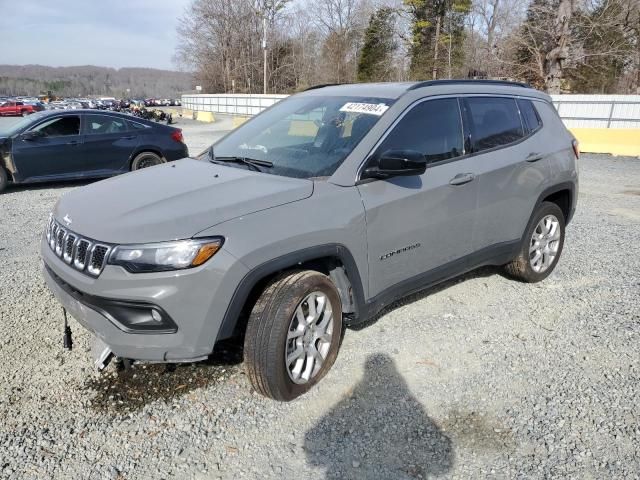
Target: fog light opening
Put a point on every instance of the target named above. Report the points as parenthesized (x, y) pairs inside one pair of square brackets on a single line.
[(156, 315)]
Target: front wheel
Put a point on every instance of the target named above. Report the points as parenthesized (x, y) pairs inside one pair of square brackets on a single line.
[(293, 334), (542, 245)]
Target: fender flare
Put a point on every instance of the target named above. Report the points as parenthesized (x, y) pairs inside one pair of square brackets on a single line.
[(558, 187), (289, 260)]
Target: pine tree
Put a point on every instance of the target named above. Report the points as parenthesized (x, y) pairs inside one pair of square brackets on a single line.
[(437, 37), (376, 58)]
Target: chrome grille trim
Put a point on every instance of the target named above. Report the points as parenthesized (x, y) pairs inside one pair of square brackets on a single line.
[(81, 253), (97, 259), (69, 246), (60, 236)]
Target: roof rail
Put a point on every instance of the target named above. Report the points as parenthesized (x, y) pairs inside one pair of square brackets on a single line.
[(430, 83), (322, 85)]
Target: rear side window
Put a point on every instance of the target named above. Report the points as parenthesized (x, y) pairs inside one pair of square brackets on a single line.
[(103, 124), (530, 116), (137, 126), (432, 128), (494, 121)]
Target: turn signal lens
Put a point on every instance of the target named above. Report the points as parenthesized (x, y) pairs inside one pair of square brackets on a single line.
[(205, 253), (576, 148)]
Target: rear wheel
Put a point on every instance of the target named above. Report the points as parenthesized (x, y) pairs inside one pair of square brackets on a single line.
[(293, 334), (4, 179), (542, 246), (146, 159), (24, 113)]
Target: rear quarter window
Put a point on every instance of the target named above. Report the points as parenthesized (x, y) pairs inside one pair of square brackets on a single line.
[(494, 121), (530, 116), (137, 126)]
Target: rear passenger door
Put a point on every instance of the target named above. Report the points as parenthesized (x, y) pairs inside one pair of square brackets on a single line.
[(109, 143), (418, 224), (510, 162)]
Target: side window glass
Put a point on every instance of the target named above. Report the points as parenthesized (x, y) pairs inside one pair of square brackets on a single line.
[(137, 126), (432, 128), (60, 127), (102, 124), (495, 121), (530, 116)]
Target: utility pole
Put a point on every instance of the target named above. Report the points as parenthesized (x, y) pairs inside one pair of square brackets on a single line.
[(264, 51)]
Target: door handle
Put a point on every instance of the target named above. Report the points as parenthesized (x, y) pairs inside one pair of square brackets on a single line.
[(130, 137), (534, 157), (462, 178), (73, 142)]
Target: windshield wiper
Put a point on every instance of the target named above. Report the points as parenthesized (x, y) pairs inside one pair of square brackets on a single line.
[(251, 162)]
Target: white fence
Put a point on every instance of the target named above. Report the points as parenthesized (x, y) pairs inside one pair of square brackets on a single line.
[(591, 111), (598, 111), (234, 104)]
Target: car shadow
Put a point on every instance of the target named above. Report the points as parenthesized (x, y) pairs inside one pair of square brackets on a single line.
[(379, 431), (482, 272)]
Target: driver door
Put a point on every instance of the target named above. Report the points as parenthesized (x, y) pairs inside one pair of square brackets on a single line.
[(55, 154), (419, 225)]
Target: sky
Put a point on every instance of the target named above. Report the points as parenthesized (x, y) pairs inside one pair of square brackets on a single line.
[(108, 33)]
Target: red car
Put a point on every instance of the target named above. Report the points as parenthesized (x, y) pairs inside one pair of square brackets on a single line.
[(16, 109)]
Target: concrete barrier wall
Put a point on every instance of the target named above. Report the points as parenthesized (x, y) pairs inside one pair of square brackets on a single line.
[(233, 104)]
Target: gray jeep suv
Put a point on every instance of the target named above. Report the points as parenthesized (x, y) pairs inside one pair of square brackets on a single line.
[(313, 216)]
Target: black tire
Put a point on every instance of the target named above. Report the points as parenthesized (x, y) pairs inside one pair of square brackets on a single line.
[(521, 267), (4, 179), (24, 113), (146, 159), (266, 335)]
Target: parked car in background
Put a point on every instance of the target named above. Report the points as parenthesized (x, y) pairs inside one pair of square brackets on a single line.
[(37, 105), (74, 144), (16, 109)]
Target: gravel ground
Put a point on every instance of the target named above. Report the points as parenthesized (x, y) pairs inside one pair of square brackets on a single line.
[(481, 377)]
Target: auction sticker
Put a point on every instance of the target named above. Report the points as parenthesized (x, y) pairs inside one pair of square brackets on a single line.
[(369, 108)]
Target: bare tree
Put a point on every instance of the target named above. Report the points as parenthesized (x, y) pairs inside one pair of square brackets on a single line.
[(342, 23)]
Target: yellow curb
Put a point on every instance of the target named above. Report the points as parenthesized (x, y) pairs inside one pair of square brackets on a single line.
[(205, 117), (616, 141), (237, 121)]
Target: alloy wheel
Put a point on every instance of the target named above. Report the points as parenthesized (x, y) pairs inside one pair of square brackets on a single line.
[(544, 244), (309, 337)]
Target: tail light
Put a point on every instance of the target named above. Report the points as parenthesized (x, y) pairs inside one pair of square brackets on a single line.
[(576, 148), (177, 136)]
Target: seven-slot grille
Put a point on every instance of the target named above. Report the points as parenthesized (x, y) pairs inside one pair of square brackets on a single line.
[(82, 253)]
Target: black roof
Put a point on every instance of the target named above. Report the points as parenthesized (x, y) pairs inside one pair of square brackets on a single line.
[(397, 89)]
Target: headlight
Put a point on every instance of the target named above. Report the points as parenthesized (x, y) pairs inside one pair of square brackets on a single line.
[(162, 257)]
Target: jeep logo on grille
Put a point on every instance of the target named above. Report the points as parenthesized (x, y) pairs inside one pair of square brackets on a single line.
[(67, 219)]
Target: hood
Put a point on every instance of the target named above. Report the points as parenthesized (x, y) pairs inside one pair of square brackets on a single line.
[(172, 201)]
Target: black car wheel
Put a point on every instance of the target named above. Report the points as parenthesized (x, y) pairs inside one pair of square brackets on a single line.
[(542, 245), (293, 335), (146, 159)]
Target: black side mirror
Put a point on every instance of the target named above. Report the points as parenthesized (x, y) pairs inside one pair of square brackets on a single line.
[(32, 135), (397, 163)]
